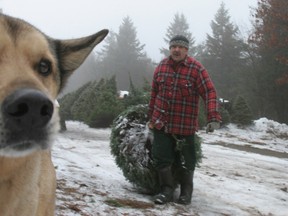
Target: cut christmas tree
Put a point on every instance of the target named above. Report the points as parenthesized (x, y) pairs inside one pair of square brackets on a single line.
[(131, 143)]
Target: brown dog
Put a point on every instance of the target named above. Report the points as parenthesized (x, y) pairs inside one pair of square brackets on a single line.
[(33, 70)]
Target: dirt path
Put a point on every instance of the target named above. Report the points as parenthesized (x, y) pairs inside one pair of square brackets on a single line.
[(249, 148)]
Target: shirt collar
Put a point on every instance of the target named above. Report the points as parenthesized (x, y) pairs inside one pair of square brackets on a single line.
[(172, 62)]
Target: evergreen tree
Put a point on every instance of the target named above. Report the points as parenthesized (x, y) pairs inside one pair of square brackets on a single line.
[(270, 40), (225, 115), (137, 95), (179, 26), (67, 101), (223, 55), (95, 104), (131, 143), (86, 101), (225, 108), (107, 56), (106, 106), (109, 47), (241, 112), (124, 57)]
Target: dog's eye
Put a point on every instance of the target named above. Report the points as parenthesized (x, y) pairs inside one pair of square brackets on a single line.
[(44, 67)]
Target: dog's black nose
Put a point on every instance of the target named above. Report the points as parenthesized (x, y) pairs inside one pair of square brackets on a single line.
[(27, 109)]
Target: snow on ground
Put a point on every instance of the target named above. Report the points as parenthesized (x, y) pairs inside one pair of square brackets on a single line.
[(243, 172)]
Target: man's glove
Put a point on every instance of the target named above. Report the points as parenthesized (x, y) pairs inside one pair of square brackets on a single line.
[(149, 132), (211, 126), (150, 125)]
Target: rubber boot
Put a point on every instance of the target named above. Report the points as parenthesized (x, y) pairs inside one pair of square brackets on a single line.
[(186, 190), (167, 186)]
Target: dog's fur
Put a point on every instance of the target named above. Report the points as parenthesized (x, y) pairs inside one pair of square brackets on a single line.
[(33, 70)]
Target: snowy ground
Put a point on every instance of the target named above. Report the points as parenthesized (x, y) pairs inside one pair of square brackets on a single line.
[(244, 172)]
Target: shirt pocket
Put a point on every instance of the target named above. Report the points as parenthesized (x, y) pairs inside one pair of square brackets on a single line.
[(160, 83), (164, 83), (185, 87)]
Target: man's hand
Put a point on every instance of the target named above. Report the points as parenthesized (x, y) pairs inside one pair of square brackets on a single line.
[(211, 126), (150, 125)]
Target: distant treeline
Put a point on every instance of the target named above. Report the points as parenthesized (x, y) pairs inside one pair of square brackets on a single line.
[(253, 67)]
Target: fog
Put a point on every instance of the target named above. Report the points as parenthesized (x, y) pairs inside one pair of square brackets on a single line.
[(70, 19)]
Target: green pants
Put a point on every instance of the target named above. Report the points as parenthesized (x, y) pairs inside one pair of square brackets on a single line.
[(166, 152)]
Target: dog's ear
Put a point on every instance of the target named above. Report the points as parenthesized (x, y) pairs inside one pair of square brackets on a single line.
[(73, 52)]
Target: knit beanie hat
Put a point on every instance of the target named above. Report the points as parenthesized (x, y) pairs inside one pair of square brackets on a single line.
[(179, 40)]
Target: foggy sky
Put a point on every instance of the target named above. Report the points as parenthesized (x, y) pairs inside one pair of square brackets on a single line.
[(74, 18)]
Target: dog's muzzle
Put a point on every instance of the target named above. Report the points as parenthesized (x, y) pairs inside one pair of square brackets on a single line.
[(25, 115)]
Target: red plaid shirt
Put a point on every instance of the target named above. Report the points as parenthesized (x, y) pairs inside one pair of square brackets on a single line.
[(174, 102)]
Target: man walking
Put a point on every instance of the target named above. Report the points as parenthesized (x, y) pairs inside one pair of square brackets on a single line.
[(178, 82)]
